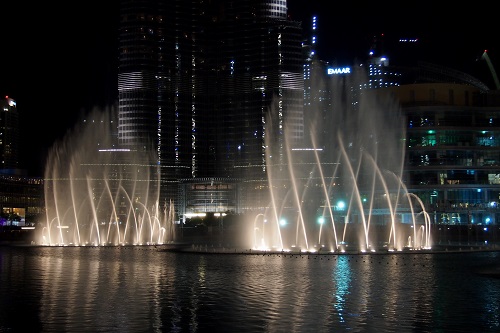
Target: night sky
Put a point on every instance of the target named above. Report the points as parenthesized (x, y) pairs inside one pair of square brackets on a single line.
[(59, 59), (58, 62)]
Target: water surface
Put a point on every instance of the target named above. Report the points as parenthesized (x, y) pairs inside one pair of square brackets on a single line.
[(142, 289)]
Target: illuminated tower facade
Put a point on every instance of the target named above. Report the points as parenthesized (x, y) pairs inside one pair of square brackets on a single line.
[(197, 80), (9, 135)]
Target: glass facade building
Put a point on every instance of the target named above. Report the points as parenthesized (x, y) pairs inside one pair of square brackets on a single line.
[(21, 197), (9, 135), (199, 82), (452, 150)]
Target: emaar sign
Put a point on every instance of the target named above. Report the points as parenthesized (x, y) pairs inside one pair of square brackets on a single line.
[(343, 70)]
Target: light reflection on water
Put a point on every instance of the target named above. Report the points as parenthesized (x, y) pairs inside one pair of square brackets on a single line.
[(140, 289)]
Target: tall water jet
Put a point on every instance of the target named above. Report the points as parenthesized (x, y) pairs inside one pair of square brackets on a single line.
[(346, 187), (99, 194), (342, 189)]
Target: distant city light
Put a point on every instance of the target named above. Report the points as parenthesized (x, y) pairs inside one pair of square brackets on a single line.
[(408, 40), (307, 149), (189, 215), (341, 205), (115, 149)]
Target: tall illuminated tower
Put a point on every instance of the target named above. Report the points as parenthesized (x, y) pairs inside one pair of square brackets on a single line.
[(197, 80), (9, 135)]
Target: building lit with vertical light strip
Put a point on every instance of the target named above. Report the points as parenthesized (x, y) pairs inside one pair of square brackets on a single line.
[(21, 197), (196, 83), (9, 135)]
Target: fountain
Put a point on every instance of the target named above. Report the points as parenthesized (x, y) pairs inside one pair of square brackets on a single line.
[(346, 191), (340, 190), (96, 194)]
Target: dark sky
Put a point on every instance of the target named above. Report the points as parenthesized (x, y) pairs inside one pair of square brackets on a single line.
[(59, 61), (453, 36)]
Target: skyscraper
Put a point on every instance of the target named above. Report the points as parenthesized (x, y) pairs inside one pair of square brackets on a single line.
[(22, 196), (198, 84), (9, 136)]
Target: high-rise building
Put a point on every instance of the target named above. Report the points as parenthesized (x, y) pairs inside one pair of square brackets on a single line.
[(9, 135), (451, 155), (201, 83), (21, 197)]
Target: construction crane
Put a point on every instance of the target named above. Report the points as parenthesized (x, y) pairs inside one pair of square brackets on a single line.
[(490, 65)]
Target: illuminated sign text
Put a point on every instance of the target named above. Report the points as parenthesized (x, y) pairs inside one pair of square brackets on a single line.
[(343, 70)]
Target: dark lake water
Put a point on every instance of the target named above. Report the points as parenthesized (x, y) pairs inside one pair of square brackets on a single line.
[(142, 289)]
